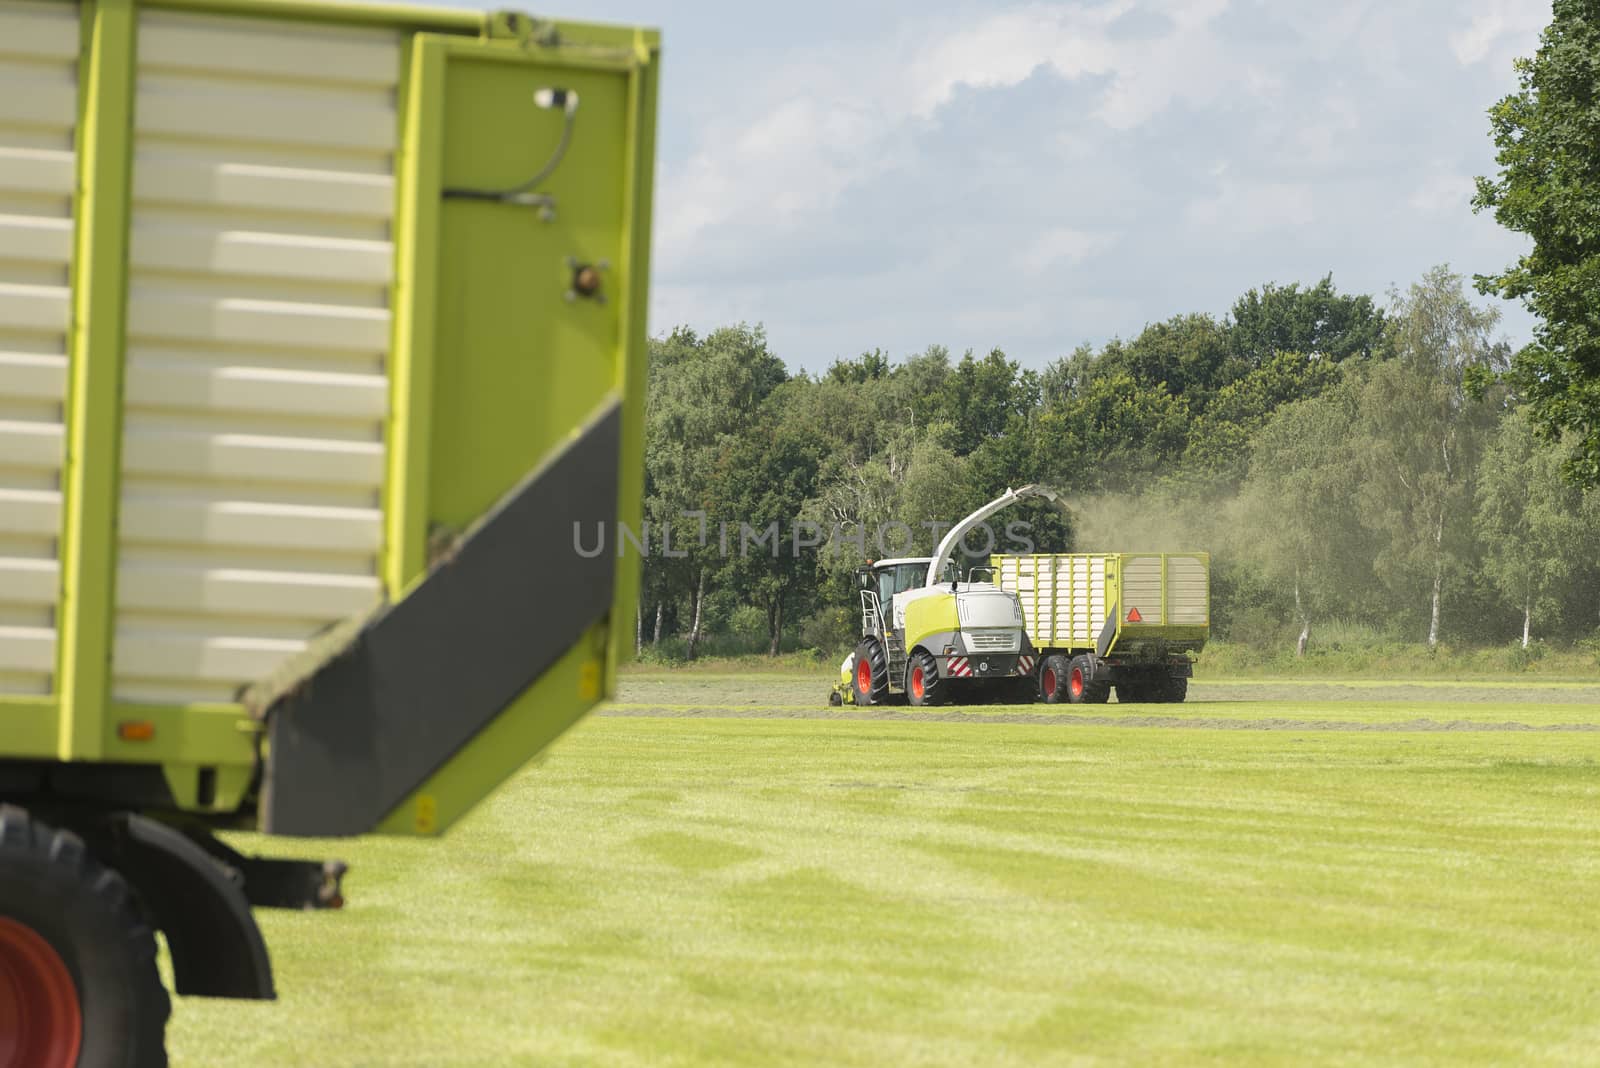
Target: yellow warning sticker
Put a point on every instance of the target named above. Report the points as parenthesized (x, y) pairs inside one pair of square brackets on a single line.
[(427, 817)]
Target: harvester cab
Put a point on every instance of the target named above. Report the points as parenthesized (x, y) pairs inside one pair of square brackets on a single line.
[(928, 635)]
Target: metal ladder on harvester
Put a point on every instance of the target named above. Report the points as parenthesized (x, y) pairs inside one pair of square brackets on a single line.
[(896, 648), (893, 644)]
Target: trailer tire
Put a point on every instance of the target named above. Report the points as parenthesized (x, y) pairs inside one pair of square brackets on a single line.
[(923, 684), (1174, 689), (870, 676), (86, 952), (1053, 679), (1082, 687), (1133, 693)]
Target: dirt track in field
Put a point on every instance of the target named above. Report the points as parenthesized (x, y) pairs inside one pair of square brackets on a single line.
[(1283, 706), (1202, 722)]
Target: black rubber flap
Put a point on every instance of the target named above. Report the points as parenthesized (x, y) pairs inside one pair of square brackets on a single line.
[(427, 674)]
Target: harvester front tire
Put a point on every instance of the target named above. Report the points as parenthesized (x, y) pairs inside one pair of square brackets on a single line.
[(89, 992), (871, 673), (923, 684), (1053, 679), (1082, 687)]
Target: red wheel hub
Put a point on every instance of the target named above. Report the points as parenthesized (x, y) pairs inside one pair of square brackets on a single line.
[(1050, 681), (864, 676), (41, 1023), (917, 686), (1076, 682)]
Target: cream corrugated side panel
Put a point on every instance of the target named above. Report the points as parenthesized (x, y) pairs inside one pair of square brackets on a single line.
[(38, 173), (1141, 588), (1188, 590), (1063, 596), (258, 334)]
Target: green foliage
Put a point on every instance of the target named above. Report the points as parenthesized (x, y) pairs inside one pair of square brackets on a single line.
[(1316, 321), (1547, 136), (1299, 511), (1532, 523), (1418, 436), (1117, 433), (764, 479), (1220, 438), (1189, 355), (1330, 456)]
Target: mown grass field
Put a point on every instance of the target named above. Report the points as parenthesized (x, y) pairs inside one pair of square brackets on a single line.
[(720, 872)]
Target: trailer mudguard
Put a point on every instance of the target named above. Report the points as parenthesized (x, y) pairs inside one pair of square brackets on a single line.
[(216, 947), (427, 674)]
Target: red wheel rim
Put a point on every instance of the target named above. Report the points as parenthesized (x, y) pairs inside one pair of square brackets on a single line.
[(1050, 681), (41, 1024), (1076, 682), (864, 677), (916, 682)]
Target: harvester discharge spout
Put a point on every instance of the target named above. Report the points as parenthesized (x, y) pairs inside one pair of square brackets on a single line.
[(961, 529)]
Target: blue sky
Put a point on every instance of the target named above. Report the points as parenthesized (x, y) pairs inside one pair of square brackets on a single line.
[(1034, 176)]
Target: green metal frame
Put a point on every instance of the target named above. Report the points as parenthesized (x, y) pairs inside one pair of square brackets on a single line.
[(94, 403), (81, 721), (586, 673), (417, 212)]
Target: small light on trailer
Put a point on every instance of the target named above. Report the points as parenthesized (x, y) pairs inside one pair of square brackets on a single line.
[(136, 730), (949, 650)]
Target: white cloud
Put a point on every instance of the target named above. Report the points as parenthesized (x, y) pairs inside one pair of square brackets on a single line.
[(1253, 207), (816, 128), (1443, 194), (1493, 24), (1032, 175), (1063, 245)]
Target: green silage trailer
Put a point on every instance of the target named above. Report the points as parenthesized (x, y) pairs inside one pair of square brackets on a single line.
[(1098, 621), (322, 328)]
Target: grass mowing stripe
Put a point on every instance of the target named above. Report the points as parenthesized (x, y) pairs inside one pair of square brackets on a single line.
[(777, 891)]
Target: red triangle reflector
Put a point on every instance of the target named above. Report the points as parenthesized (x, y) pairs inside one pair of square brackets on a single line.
[(1134, 616)]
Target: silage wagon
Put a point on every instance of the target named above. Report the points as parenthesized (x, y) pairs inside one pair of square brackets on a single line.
[(321, 328), (1098, 621)]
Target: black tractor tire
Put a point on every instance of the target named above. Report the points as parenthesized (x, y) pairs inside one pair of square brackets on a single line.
[(923, 684), (1053, 679), (1082, 689), (64, 913), (873, 687), (1174, 689)]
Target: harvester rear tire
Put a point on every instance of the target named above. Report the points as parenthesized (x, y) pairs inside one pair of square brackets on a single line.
[(87, 956), (923, 684), (1053, 679), (871, 686), (1082, 687)]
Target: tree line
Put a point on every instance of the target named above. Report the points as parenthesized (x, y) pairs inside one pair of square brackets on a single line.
[(1341, 458)]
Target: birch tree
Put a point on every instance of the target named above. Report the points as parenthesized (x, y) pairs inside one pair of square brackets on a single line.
[(1531, 521), (1419, 432), (1299, 506)]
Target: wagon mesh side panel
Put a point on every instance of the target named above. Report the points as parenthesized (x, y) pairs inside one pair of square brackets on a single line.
[(38, 175), (261, 273)]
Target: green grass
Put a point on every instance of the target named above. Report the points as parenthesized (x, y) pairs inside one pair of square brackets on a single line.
[(761, 891)]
